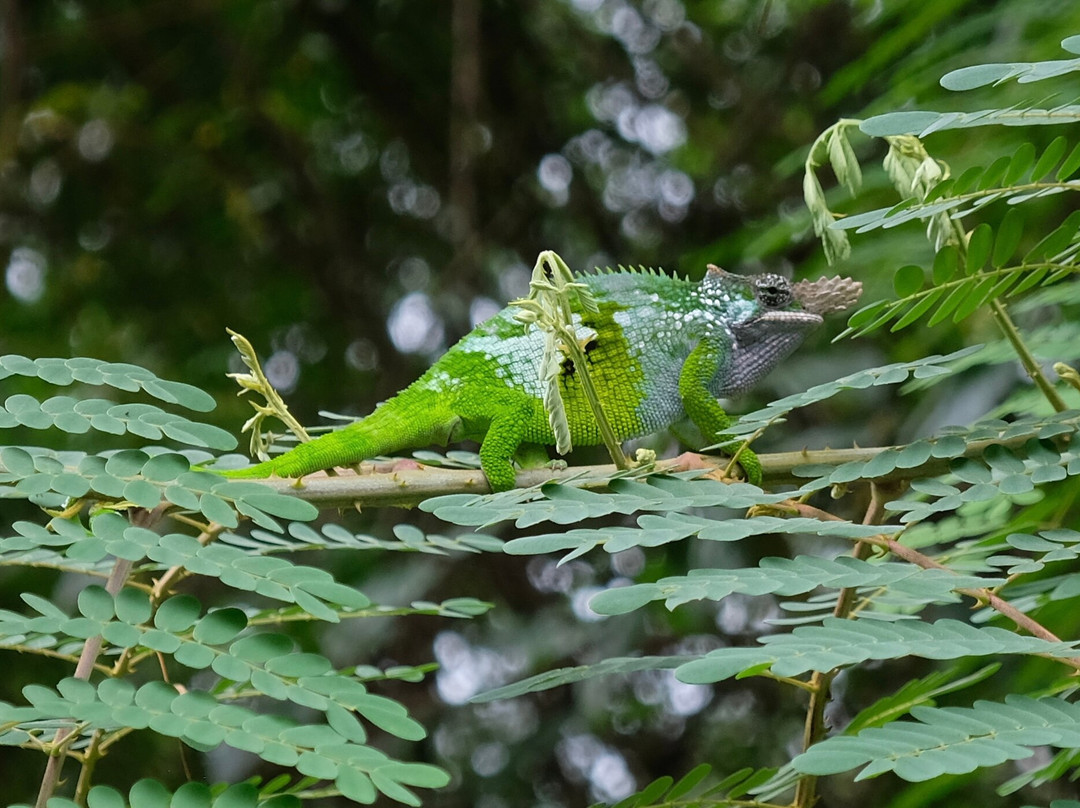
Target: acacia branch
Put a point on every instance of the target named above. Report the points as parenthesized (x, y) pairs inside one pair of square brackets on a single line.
[(406, 483), (815, 729), (87, 663), (982, 595)]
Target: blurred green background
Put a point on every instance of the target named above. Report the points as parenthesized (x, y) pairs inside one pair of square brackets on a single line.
[(353, 184)]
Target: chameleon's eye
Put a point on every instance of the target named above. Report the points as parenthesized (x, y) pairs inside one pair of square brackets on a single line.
[(774, 291)]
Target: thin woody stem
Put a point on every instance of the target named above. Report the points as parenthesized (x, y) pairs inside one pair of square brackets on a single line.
[(821, 681), (86, 665), (983, 595), (1031, 365)]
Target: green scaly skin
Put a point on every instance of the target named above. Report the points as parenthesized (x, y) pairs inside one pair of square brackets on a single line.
[(661, 349)]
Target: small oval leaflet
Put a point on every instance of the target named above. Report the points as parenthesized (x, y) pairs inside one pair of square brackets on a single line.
[(126, 463), (149, 792), (908, 280), (258, 648), (220, 626), (165, 467), (178, 613), (1008, 238), (132, 606), (97, 604), (297, 665), (217, 510), (282, 506), (979, 245)]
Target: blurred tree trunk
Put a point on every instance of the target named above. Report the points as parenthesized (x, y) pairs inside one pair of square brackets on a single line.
[(464, 127), (11, 72)]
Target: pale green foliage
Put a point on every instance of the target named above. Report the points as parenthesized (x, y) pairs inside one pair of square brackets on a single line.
[(951, 740), (151, 794), (974, 514), (838, 643), (982, 513), (971, 269), (795, 576), (235, 681)]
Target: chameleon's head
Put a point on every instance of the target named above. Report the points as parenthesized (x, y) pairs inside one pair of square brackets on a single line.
[(767, 317)]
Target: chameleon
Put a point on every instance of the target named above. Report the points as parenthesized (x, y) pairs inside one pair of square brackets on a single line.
[(660, 349)]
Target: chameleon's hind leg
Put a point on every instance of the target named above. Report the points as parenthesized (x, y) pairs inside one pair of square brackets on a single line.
[(499, 446)]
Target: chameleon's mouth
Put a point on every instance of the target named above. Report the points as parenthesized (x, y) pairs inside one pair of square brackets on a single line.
[(807, 317), (779, 322)]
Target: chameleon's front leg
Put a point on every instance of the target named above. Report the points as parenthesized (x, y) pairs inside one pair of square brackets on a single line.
[(701, 366)]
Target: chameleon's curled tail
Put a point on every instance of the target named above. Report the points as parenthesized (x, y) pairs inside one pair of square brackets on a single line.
[(405, 421)]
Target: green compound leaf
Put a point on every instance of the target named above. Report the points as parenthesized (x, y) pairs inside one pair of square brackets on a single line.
[(16, 461), (654, 530), (946, 263), (122, 376), (924, 122), (215, 509), (918, 691), (565, 504), (980, 244), (198, 718), (144, 420), (887, 374), (784, 576), (149, 793), (580, 673), (1009, 233), (264, 499), (389, 716), (970, 78), (126, 463), (259, 648), (840, 642), (1070, 165), (132, 606), (142, 493), (950, 740)]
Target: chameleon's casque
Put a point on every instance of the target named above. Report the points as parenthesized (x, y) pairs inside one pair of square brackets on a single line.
[(660, 349)]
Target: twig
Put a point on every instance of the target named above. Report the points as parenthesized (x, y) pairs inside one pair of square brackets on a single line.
[(85, 667), (821, 681), (982, 595), (1031, 365)]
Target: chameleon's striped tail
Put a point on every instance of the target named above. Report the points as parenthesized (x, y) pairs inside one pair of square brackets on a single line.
[(406, 421)]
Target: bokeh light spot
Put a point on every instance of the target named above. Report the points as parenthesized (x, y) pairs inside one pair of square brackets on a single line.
[(95, 140), (25, 274), (413, 325)]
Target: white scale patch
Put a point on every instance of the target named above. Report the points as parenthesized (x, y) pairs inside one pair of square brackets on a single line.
[(441, 382)]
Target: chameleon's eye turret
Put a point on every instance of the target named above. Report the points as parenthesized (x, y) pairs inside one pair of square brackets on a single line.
[(773, 291)]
